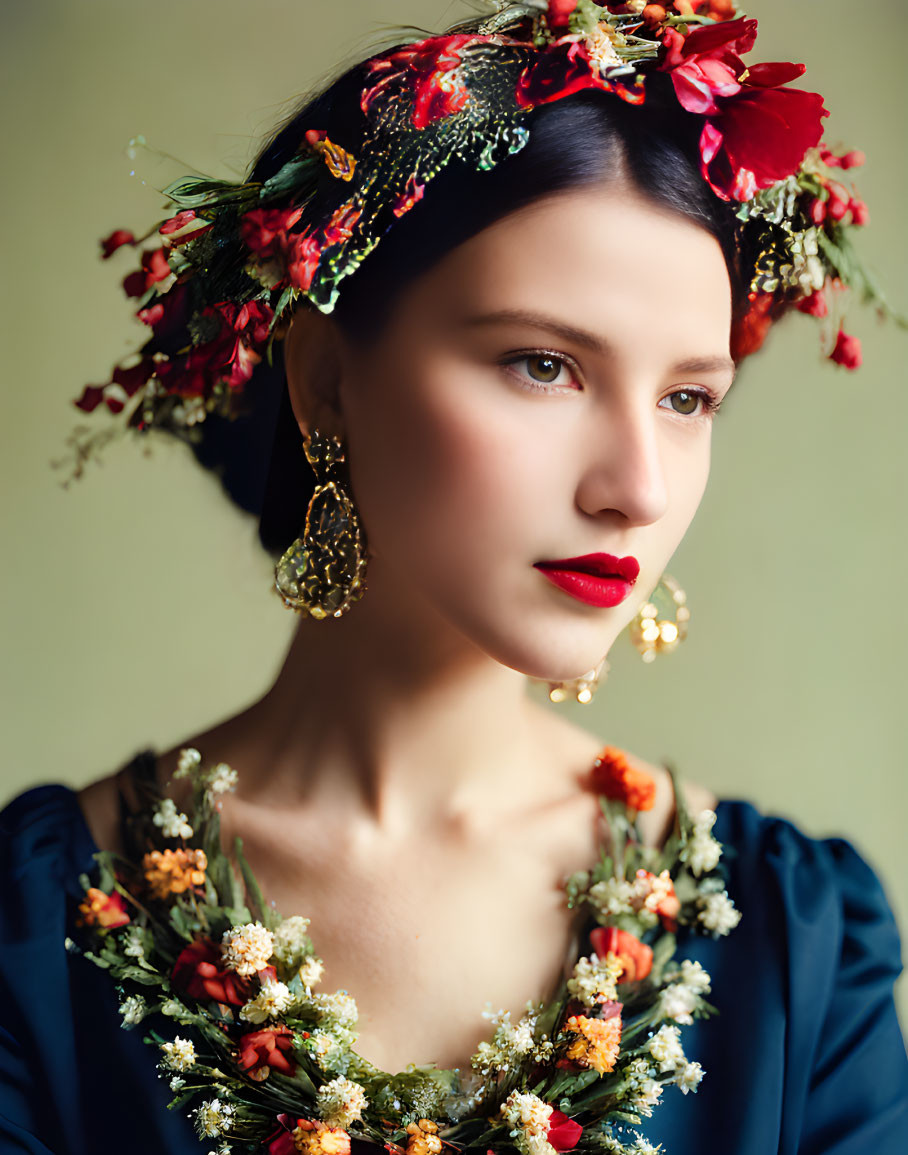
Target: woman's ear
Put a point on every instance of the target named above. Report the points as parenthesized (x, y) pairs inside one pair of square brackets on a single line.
[(312, 360)]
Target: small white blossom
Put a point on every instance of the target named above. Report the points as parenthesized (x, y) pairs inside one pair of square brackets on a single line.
[(646, 1097), (677, 1002), (612, 896), (688, 1078), (510, 1042), (290, 942), (272, 1000), (529, 1117), (311, 971), (341, 1102), (718, 914), (665, 1047), (694, 977), (594, 979), (600, 47), (133, 942), (642, 1146), (189, 759), (173, 1008), (173, 824), (337, 1009), (221, 1149), (702, 852), (133, 1009), (247, 948), (213, 1118), (327, 1050), (177, 1084), (179, 1055), (222, 780)]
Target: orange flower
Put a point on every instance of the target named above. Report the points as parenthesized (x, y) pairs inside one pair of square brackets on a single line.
[(635, 957), (170, 872), (104, 910), (423, 1138), (596, 1042), (315, 1138), (614, 777), (656, 892)]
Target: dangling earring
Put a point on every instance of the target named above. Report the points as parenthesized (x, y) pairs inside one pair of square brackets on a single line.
[(323, 572), (653, 635), (581, 689)]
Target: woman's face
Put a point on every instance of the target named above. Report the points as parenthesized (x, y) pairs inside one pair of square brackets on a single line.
[(544, 393)]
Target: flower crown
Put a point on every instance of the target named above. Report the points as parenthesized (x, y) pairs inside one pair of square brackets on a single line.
[(228, 266)]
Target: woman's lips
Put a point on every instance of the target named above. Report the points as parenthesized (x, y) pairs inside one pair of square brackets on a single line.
[(598, 579)]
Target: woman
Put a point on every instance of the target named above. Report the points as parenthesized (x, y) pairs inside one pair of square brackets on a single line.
[(509, 429)]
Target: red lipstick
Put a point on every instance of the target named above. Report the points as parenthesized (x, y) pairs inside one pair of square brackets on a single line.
[(598, 579)]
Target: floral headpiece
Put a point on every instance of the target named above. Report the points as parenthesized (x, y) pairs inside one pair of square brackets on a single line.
[(230, 263)]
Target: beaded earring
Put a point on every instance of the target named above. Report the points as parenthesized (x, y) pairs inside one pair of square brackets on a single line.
[(654, 635), (323, 571)]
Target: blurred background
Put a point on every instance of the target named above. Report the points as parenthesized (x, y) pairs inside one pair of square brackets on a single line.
[(137, 607)]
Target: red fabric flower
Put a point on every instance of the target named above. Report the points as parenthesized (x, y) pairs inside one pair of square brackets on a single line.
[(564, 69), (613, 776), (847, 351), (564, 1132), (116, 240), (262, 1052), (757, 130), (428, 69), (198, 972), (636, 957)]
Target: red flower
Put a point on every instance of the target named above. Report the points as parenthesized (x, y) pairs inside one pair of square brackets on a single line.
[(757, 131), (847, 351), (559, 12), (562, 70), (302, 255), (613, 776), (198, 972), (860, 214), (263, 230), (428, 70), (154, 268), (262, 1052), (180, 225), (564, 1132), (815, 305), (636, 957), (107, 911), (749, 331), (116, 240)]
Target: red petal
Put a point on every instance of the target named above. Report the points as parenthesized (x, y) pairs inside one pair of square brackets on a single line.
[(92, 396), (772, 75), (737, 35), (768, 130)]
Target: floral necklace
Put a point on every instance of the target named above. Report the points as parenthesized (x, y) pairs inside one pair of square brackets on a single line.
[(268, 1060)]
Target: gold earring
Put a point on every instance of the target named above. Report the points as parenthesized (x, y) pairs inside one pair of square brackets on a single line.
[(323, 572), (581, 689), (654, 635)]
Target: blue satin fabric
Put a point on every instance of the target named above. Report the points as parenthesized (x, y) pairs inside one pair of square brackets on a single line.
[(805, 1057)]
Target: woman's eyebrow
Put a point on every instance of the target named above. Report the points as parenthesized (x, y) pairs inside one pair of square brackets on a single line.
[(590, 340)]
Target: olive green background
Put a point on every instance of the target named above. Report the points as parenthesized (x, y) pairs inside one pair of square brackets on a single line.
[(136, 603)]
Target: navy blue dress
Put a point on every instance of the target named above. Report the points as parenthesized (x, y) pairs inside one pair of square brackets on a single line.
[(805, 1056)]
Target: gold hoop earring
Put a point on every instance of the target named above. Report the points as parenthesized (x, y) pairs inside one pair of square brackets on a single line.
[(654, 635), (323, 571), (582, 689)]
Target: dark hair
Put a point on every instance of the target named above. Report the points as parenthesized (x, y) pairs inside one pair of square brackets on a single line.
[(583, 139)]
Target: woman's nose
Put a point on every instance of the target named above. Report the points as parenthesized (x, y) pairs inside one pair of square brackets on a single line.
[(624, 470)]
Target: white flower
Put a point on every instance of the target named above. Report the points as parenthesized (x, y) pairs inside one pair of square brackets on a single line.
[(612, 896), (221, 1149), (133, 1009), (189, 760), (594, 980), (272, 1000), (327, 1050), (213, 1118), (222, 780), (665, 1047), (311, 971), (529, 1117), (702, 852), (647, 1096), (340, 1102), (717, 913), (177, 1084), (643, 1146), (133, 942), (337, 1009), (600, 46), (510, 1042), (247, 948), (677, 1001), (694, 977), (179, 1055), (688, 1078), (173, 1008), (173, 824), (290, 942)]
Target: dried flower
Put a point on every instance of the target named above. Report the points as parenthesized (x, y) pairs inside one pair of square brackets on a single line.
[(423, 1138), (312, 1137), (179, 1055), (173, 824), (213, 1118), (717, 913), (222, 780), (847, 351), (170, 872), (702, 852), (689, 1077), (614, 777), (189, 759), (133, 1009), (632, 958), (247, 948), (107, 911), (311, 971), (272, 1000), (199, 971), (595, 980), (529, 1117), (341, 1102), (665, 1047), (612, 896), (596, 1042), (262, 1052)]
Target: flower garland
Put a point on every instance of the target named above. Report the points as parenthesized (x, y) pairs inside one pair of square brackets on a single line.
[(234, 258), (229, 991)]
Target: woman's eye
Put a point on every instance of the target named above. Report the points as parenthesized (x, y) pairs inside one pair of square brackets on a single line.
[(541, 369), (690, 403)]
